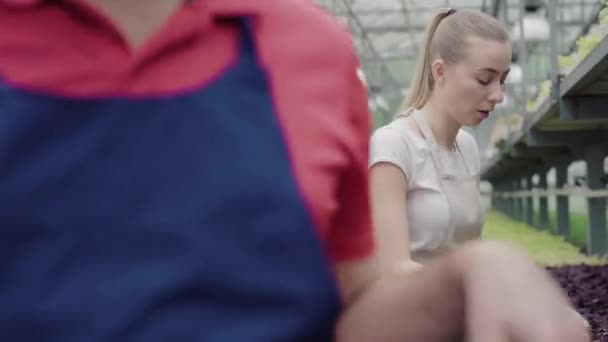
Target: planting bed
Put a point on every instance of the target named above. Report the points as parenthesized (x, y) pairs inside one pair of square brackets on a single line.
[(583, 278), (587, 287)]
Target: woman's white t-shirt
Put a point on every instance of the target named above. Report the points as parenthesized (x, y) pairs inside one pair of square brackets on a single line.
[(428, 213)]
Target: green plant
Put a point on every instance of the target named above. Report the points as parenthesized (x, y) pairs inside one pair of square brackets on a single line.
[(530, 105), (500, 144), (544, 92), (586, 44), (545, 89), (566, 62), (546, 247), (603, 16)]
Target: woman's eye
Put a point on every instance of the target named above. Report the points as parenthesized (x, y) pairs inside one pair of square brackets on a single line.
[(483, 82)]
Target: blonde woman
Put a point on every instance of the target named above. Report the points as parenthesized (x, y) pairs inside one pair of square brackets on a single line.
[(424, 167)]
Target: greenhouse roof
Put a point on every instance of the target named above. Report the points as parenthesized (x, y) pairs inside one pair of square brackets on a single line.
[(388, 33)]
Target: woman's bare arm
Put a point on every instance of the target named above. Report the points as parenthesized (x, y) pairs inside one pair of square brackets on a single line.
[(388, 186)]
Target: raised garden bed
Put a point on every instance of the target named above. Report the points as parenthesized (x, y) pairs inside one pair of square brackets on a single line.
[(587, 287), (583, 278)]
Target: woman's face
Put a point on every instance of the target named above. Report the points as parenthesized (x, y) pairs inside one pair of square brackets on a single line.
[(472, 87)]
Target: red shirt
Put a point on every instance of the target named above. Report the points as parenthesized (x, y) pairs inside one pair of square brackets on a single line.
[(67, 47), (198, 188)]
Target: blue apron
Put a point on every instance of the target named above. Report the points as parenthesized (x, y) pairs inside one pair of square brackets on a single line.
[(172, 218)]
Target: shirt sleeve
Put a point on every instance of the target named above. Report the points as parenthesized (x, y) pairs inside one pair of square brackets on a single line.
[(389, 146), (351, 236)]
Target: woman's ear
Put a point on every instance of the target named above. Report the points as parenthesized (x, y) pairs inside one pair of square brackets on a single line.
[(438, 71)]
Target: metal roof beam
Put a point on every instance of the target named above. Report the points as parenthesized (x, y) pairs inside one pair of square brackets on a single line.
[(409, 9), (411, 55), (388, 82), (399, 28)]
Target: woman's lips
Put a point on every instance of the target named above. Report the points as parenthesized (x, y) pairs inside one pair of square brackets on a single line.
[(484, 113)]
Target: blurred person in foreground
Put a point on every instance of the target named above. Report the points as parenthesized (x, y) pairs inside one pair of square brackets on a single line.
[(197, 171)]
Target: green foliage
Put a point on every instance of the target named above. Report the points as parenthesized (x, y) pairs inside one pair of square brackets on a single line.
[(531, 106), (578, 227), (566, 62), (546, 248), (543, 93), (545, 89), (603, 16), (586, 44), (500, 144)]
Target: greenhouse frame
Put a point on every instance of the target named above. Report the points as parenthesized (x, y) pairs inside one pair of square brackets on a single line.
[(543, 152)]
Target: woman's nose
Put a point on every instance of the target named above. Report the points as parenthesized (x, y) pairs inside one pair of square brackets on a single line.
[(497, 94)]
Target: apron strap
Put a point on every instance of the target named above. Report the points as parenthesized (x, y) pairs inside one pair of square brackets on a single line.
[(248, 43), (427, 133), (429, 137)]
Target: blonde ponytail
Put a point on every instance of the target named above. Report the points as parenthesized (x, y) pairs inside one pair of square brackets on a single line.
[(445, 37), (423, 78)]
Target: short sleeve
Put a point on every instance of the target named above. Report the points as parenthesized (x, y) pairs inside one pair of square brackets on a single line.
[(351, 235), (388, 145)]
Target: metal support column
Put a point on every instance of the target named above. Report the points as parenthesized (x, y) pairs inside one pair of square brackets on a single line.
[(494, 199), (500, 202), (504, 202), (529, 202), (519, 201), (554, 51), (522, 60), (596, 233), (510, 200), (543, 208), (563, 210)]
